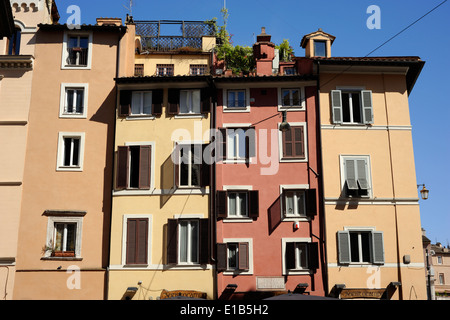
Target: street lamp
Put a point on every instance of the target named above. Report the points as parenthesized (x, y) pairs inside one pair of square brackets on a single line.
[(284, 126), (424, 192)]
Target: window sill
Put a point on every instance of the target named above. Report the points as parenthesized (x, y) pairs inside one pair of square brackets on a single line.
[(75, 67), (294, 159), (297, 272), (237, 272), (190, 116), (74, 169), (291, 108), (295, 219), (73, 116), (141, 117), (236, 109), (238, 220), (228, 160), (62, 258)]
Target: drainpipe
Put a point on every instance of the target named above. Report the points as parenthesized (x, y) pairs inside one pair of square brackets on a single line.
[(321, 181)]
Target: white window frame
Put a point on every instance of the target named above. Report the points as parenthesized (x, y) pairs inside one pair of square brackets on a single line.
[(141, 104), (52, 220), (346, 89), (293, 217), (226, 108), (61, 150), (235, 126), (189, 244), (190, 105), (305, 143), (125, 218), (63, 100), (300, 107), (237, 218), (342, 159), (185, 143), (250, 256), (69, 34), (359, 230), (297, 271)]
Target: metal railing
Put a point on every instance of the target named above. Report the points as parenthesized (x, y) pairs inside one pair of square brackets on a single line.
[(77, 56)]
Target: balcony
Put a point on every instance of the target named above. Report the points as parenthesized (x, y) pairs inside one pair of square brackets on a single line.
[(77, 57), (16, 62)]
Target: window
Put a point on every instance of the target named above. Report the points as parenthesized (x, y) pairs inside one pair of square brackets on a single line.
[(137, 235), (237, 203), (439, 259), (295, 203), (298, 202), (64, 230), (291, 97), (139, 70), (141, 103), (360, 247), (356, 183), (14, 42), (293, 143), (352, 106), (77, 51), (74, 99), (289, 71), (187, 241), (237, 143), (320, 48), (189, 102), (198, 69), (300, 255), (134, 163), (164, 69), (235, 256), (190, 168), (441, 278), (236, 99), (70, 151)]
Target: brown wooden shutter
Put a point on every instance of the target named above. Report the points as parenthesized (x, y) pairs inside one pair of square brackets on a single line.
[(204, 241), (221, 257), (250, 143), (298, 142), (221, 204), (131, 241), (205, 170), (289, 255), (174, 101), (311, 202), (176, 165), (172, 241), (243, 256), (288, 143), (253, 204), (221, 149), (122, 167), (205, 100), (157, 102), (125, 103), (144, 167), (313, 255)]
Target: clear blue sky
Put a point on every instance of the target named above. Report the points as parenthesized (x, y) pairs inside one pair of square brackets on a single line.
[(345, 19)]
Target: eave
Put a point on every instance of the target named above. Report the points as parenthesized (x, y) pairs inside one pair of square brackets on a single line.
[(6, 19)]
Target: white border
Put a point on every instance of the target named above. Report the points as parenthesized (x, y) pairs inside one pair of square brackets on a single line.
[(250, 257), (235, 109), (62, 102), (64, 50), (292, 187), (305, 143), (301, 107), (66, 219), (60, 152), (125, 218), (283, 255)]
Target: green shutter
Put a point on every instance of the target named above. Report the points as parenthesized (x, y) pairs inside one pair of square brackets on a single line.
[(377, 247), (367, 106), (336, 106), (343, 241), (350, 174)]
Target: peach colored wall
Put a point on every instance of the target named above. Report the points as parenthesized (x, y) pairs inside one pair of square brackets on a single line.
[(45, 188), (267, 244)]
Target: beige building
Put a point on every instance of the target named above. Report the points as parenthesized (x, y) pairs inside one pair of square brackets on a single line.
[(17, 66), (66, 200), (372, 217), (440, 260)]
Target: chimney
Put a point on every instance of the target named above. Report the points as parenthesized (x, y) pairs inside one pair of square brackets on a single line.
[(264, 53), (109, 21)]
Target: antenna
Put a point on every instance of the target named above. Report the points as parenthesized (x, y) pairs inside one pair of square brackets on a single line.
[(130, 8)]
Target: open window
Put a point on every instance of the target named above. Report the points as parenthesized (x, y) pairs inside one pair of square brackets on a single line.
[(352, 106), (134, 163), (360, 247)]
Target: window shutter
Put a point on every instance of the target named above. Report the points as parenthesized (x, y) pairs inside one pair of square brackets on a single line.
[(311, 202), (287, 143), (253, 204), (176, 165), (205, 100), (157, 101), (313, 255), (222, 144), (142, 240), (125, 103), (205, 170), (221, 204), (343, 247), (144, 167), (299, 145), (204, 241), (131, 241), (378, 247), (362, 174), (336, 105), (172, 241), (122, 167), (243, 256), (174, 101), (250, 143), (221, 257), (283, 203), (350, 174), (367, 106), (289, 255)]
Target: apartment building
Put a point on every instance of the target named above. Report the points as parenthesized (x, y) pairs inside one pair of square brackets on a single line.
[(440, 256), (63, 240), (160, 223), (372, 216)]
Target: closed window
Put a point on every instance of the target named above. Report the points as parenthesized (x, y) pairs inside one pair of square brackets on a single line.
[(236, 99), (134, 167), (300, 255), (298, 203), (294, 143), (291, 97), (190, 102), (233, 256), (187, 241), (352, 106), (137, 240), (237, 143), (237, 204), (360, 247), (74, 99), (320, 48), (70, 151), (198, 69), (356, 180), (164, 69), (140, 103), (441, 278)]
